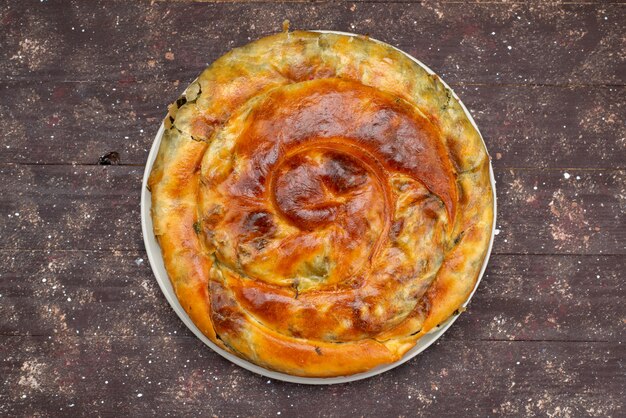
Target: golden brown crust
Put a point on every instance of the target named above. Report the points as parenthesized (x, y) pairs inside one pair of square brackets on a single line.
[(321, 203)]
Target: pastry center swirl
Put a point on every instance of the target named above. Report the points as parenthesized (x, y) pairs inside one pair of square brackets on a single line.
[(329, 184), (312, 188), (328, 197)]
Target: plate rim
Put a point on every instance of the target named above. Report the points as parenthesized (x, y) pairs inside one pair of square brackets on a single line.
[(155, 259)]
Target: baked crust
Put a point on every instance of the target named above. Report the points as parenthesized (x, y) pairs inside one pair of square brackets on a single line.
[(321, 203)]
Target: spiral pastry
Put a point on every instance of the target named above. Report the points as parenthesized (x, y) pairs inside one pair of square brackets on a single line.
[(321, 203)]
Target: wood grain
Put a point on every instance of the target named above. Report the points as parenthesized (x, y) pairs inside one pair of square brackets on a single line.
[(444, 2), (104, 293), (84, 328), (97, 208), (490, 43), (178, 376), (524, 126)]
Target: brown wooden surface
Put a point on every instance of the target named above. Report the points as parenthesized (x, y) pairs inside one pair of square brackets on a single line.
[(84, 328)]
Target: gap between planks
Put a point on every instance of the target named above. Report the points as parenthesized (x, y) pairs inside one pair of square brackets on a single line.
[(454, 85), (476, 2), (496, 169), (143, 251), (183, 337)]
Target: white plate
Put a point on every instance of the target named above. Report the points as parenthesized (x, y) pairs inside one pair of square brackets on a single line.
[(156, 262)]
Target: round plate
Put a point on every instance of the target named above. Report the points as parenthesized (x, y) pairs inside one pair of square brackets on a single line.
[(156, 262)]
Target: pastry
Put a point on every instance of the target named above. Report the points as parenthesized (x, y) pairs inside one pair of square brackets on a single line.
[(321, 203)]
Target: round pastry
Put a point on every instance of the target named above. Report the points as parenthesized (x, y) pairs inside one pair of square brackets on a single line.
[(321, 203)]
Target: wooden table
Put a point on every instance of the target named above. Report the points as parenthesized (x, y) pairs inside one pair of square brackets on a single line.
[(84, 328)]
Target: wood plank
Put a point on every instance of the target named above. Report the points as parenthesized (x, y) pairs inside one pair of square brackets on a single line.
[(574, 298), (474, 43), (77, 123), (385, 1), (524, 126), (97, 207), (550, 127), (177, 376), (561, 212), (82, 293), (65, 207)]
